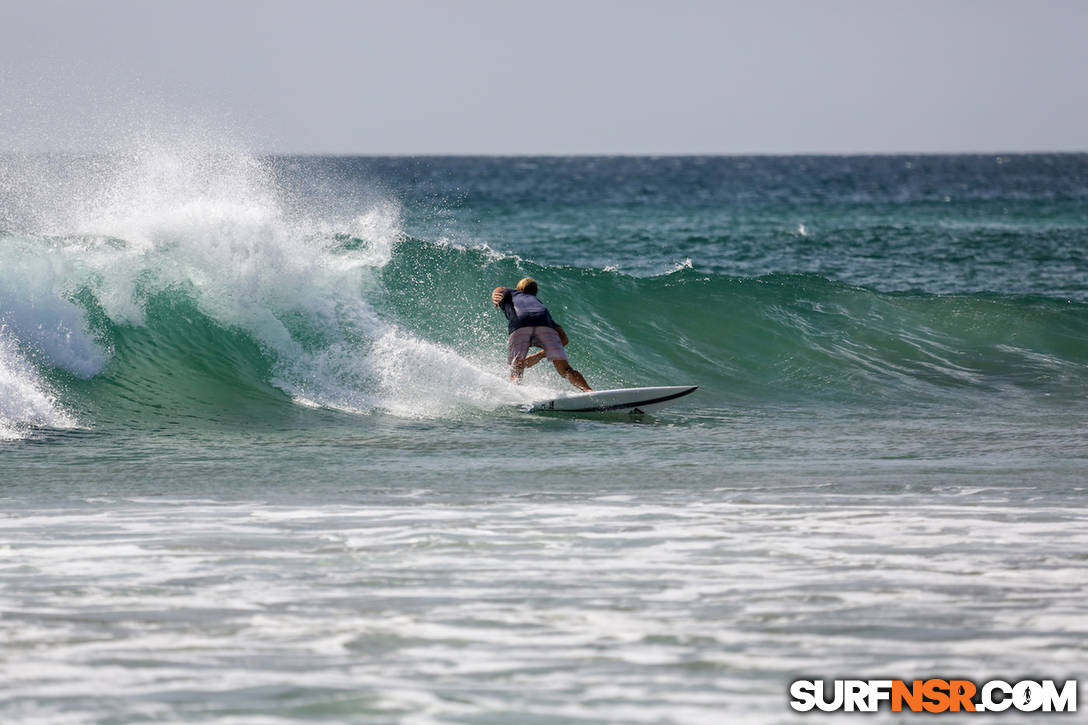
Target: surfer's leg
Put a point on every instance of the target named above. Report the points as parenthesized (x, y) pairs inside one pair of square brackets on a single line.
[(517, 345), (534, 359), (573, 376), (516, 369)]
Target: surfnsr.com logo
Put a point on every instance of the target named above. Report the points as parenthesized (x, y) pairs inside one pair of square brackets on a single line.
[(933, 695)]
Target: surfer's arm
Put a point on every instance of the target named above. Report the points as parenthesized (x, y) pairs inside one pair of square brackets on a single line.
[(497, 295), (562, 334)]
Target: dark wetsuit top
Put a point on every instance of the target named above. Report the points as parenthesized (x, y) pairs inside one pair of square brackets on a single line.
[(524, 310)]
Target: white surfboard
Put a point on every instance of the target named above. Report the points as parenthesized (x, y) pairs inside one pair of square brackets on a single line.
[(621, 400)]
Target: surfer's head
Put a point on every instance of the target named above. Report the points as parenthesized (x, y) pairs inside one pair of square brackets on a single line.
[(528, 286)]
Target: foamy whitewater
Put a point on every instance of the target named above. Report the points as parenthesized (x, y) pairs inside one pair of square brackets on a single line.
[(260, 461)]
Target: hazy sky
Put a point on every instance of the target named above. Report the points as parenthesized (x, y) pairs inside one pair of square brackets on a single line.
[(407, 76)]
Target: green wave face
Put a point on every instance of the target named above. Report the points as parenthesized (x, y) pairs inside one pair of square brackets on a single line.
[(180, 366), (773, 337)]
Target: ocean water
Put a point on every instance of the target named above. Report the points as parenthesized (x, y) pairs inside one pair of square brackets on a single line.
[(260, 461)]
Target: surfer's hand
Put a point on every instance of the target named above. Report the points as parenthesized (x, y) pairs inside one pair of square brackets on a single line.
[(562, 335), (497, 295)]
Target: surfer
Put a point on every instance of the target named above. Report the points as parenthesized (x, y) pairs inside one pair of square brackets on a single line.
[(531, 325)]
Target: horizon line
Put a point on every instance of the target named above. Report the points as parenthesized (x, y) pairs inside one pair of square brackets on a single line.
[(580, 154)]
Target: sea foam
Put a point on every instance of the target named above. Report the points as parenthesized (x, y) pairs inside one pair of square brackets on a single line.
[(214, 225), (25, 400)]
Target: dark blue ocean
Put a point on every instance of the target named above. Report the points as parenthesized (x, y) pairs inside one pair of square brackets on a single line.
[(260, 461)]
